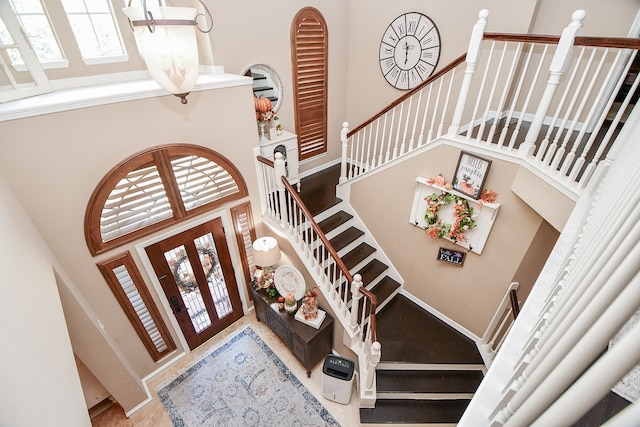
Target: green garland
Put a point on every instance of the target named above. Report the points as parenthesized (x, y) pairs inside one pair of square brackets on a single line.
[(463, 214)]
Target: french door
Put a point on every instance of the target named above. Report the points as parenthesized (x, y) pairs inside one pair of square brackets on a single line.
[(197, 277)]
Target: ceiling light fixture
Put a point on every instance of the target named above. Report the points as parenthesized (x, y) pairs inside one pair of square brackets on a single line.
[(166, 39)]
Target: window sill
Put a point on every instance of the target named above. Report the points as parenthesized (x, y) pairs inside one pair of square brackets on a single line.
[(107, 92)]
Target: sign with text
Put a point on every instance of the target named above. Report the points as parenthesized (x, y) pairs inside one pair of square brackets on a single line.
[(451, 256), (471, 173)]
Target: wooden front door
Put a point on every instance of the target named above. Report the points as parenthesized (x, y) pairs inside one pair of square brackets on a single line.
[(196, 274)]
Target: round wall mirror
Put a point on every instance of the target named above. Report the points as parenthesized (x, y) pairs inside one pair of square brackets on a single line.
[(266, 82)]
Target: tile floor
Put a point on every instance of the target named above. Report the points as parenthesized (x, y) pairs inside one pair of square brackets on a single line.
[(154, 415)]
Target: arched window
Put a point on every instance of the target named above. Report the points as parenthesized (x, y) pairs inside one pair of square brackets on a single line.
[(157, 188), (309, 53)]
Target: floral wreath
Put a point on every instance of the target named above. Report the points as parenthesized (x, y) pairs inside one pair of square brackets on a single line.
[(187, 281), (463, 214)]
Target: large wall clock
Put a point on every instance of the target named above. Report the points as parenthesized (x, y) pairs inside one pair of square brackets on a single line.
[(409, 50)]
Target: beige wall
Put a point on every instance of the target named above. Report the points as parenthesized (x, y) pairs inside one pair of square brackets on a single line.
[(36, 345), (53, 162), (467, 295), (369, 92), (240, 38)]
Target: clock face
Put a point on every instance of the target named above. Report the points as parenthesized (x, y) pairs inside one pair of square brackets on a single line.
[(409, 50)]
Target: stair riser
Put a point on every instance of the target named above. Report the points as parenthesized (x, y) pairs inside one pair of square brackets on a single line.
[(425, 396), (429, 367)]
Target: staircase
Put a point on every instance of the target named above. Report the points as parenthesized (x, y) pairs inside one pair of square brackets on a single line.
[(429, 371)]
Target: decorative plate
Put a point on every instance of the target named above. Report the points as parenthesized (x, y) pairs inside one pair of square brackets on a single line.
[(289, 280)]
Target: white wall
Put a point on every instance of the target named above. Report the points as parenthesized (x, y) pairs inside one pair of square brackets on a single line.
[(34, 390)]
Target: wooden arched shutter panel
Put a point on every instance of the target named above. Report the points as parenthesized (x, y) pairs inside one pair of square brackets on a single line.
[(309, 53)]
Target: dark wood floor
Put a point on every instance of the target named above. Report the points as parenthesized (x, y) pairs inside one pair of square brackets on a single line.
[(318, 191), (410, 334)]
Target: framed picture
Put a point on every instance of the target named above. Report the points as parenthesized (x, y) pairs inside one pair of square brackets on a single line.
[(273, 133), (471, 173), (451, 256)]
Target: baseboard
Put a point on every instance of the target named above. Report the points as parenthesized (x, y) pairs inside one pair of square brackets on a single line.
[(464, 331)]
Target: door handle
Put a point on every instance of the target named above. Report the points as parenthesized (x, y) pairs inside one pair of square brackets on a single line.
[(177, 307)]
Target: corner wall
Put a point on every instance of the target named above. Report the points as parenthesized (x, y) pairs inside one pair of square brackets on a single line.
[(39, 383), (468, 295)]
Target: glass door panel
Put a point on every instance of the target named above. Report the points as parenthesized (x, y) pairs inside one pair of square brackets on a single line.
[(197, 276)]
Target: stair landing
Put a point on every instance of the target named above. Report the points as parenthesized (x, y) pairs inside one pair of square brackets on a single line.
[(402, 325)]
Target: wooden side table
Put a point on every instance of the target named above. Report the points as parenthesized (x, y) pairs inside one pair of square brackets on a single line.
[(308, 344)]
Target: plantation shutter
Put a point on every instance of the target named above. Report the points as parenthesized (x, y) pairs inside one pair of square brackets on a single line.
[(157, 187), (245, 235), (309, 55), (127, 286)]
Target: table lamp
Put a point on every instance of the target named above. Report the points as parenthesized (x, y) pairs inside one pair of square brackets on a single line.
[(266, 253)]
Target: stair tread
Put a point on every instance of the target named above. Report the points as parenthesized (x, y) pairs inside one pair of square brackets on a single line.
[(373, 269), (384, 288), (428, 381), (414, 411), (334, 221), (345, 238), (357, 255)]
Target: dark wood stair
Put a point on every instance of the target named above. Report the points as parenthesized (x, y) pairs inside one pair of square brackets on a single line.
[(428, 371)]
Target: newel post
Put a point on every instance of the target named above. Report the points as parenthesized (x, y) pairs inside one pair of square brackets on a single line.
[(373, 358), (356, 296), (280, 170), (343, 163), (473, 56), (559, 64)]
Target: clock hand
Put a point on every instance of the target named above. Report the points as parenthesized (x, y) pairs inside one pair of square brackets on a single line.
[(406, 52)]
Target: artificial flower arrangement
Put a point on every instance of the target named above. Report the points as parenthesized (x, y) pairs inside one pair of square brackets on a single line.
[(462, 213), (264, 109)]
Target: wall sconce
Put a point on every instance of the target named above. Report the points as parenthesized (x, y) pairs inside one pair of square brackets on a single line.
[(266, 253), (166, 39)]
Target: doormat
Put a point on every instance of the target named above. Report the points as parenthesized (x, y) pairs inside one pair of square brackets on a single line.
[(242, 383)]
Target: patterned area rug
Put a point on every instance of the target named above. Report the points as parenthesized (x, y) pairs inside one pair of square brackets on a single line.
[(242, 383)]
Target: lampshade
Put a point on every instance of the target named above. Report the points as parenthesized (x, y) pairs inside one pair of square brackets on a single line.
[(266, 251), (166, 39)]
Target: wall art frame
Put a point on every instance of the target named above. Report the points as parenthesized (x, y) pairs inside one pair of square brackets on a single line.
[(471, 174)]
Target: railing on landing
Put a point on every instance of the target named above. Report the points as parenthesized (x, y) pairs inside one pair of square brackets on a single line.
[(353, 305), (554, 103)]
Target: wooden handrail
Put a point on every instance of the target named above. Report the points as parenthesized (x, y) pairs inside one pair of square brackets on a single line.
[(522, 38), (266, 161), (317, 229), (334, 254), (515, 307), (459, 60), (614, 42)]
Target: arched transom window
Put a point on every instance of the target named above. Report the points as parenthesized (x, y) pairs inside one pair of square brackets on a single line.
[(155, 188)]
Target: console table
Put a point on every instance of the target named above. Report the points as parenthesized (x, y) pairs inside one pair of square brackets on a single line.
[(308, 344)]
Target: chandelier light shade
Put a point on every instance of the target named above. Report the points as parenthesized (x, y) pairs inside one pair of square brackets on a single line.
[(166, 38), (266, 252)]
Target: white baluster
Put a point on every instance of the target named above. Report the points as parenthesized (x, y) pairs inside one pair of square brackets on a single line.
[(516, 131), (485, 74), (503, 97), (345, 144), (415, 121), (395, 146), (424, 117), (485, 116)]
